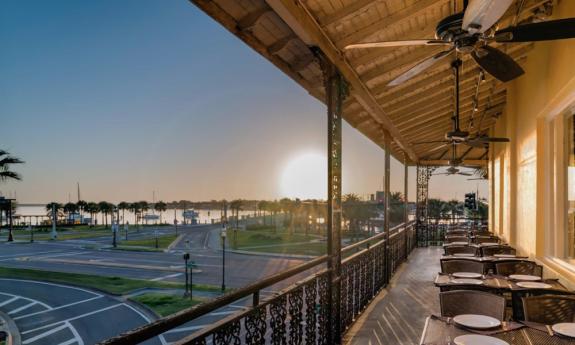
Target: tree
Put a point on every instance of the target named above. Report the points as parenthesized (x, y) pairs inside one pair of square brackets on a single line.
[(236, 206), (92, 208), (81, 207), (5, 167), (70, 208), (357, 212), (105, 208), (123, 206), (396, 208), (160, 206), (56, 206), (436, 209), (144, 207), (135, 208)]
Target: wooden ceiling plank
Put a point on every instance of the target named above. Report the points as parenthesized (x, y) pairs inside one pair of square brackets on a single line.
[(363, 34), (358, 89), (346, 11)]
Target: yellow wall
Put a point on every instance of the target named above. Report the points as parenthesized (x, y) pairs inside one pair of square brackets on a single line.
[(517, 212)]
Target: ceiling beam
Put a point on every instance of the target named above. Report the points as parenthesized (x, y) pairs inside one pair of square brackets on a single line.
[(359, 90), (445, 162)]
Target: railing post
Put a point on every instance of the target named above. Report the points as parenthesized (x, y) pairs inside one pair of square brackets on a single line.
[(405, 205), (387, 145), (335, 90)]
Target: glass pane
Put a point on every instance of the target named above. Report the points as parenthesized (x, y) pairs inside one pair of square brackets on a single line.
[(571, 187)]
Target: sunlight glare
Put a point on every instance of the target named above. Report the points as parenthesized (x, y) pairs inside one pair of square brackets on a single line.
[(305, 177)]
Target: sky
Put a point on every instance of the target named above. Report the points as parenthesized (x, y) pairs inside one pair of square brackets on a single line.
[(139, 97)]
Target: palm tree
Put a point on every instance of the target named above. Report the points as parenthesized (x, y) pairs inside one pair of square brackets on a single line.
[(5, 161), (135, 208), (160, 206), (144, 207), (81, 206), (236, 205), (92, 208), (123, 206), (53, 206), (70, 208), (105, 208)]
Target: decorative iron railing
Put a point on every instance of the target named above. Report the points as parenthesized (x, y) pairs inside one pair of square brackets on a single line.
[(298, 314)]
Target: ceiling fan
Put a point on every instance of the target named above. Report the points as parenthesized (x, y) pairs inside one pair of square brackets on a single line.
[(454, 163), (456, 135), (471, 31)]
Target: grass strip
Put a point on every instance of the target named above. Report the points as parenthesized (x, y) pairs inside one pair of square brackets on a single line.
[(164, 304), (113, 285), (163, 242)]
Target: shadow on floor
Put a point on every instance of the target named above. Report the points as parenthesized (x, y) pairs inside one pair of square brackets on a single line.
[(397, 315)]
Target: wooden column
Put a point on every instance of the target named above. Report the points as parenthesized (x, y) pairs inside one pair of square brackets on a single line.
[(335, 90), (387, 192)]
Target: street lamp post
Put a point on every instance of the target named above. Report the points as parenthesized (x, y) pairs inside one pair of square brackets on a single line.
[(186, 258), (31, 228), (114, 230), (54, 234), (10, 234), (223, 234)]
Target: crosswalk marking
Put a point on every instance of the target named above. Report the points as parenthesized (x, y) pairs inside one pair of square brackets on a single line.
[(45, 334), (8, 301)]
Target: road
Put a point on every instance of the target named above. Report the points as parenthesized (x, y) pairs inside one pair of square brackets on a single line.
[(55, 314), (69, 315)]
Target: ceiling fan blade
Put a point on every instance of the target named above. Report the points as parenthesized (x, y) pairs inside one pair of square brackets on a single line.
[(480, 15), (464, 174), (544, 31), (497, 63), (491, 140), (432, 142), (476, 144), (420, 67), (386, 44)]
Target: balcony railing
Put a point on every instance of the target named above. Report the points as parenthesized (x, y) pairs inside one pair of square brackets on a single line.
[(298, 314), (432, 232)]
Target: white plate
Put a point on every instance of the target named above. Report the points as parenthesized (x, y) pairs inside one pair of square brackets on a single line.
[(467, 281), (505, 255), (486, 244), (458, 243), (525, 277), (534, 285), (464, 254), (567, 329), (476, 321), (476, 339), (466, 275)]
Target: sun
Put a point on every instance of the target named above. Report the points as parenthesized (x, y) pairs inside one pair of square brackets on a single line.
[(305, 177)]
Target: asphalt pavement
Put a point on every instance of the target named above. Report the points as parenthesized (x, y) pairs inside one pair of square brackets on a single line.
[(56, 314)]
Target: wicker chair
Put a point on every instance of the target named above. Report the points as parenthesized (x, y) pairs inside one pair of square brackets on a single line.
[(457, 265), (485, 239), (451, 239), (549, 309), (507, 268), (459, 302), (492, 250), (450, 233), (450, 250)]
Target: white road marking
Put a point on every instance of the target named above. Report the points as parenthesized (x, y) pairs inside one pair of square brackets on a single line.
[(56, 255), (60, 307), (161, 337), (11, 257), (166, 277), (45, 334), (52, 284), (77, 336), (73, 318), (9, 301), (27, 299), (68, 342), (21, 308)]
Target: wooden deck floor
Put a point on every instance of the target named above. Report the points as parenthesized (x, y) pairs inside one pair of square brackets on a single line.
[(397, 315)]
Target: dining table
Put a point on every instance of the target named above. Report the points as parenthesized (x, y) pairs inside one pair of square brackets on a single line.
[(494, 282), (443, 331)]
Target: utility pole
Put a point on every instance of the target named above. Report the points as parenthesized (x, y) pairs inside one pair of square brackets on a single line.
[(54, 234)]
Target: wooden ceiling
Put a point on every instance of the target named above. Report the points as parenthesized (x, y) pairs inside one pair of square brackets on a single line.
[(417, 110)]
